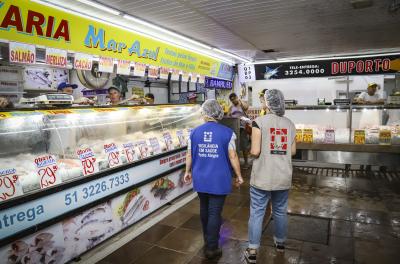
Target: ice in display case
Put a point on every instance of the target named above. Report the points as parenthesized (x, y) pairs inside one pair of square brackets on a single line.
[(43, 148)]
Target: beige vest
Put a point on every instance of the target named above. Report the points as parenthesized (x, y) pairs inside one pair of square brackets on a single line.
[(272, 170)]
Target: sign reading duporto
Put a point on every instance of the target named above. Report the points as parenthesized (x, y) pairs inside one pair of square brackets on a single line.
[(325, 68), (214, 83)]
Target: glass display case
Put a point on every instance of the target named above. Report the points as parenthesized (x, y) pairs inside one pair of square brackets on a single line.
[(46, 148)]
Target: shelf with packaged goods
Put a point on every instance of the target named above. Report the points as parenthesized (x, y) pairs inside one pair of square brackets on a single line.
[(44, 150)]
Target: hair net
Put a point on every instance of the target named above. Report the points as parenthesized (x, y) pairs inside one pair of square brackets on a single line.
[(211, 108), (275, 101)]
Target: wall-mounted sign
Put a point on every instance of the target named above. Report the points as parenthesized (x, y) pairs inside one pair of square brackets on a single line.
[(185, 76), (217, 83), (83, 62), (225, 71), (325, 68), (56, 57), (164, 73), (123, 67), (175, 75), (246, 73), (106, 64), (140, 69), (32, 22), (153, 72), (22, 53)]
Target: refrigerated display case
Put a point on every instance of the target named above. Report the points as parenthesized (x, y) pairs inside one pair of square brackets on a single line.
[(59, 163)]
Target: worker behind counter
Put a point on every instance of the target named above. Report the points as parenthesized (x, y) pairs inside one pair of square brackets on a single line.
[(149, 98), (5, 103), (370, 96), (67, 88), (116, 97)]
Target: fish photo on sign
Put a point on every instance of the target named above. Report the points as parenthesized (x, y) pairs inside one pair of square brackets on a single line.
[(43, 247), (131, 207), (82, 232)]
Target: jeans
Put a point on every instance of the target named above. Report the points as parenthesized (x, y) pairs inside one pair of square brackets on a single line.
[(210, 213), (258, 204)]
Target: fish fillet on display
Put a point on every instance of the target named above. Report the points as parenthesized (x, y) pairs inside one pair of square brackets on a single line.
[(134, 206)]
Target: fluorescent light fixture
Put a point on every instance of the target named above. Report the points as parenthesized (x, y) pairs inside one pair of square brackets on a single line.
[(127, 26), (101, 7), (144, 23), (308, 58), (231, 55)]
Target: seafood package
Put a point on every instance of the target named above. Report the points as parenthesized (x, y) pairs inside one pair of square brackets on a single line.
[(132, 205), (46, 246), (88, 229)]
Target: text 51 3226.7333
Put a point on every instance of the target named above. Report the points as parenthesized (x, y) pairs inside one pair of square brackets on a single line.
[(97, 189)]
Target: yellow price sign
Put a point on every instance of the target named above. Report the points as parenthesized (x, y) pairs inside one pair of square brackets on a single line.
[(385, 137), (308, 135), (299, 135), (359, 137)]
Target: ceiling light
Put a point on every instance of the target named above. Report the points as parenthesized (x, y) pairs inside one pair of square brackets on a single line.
[(232, 55), (100, 6), (142, 22)]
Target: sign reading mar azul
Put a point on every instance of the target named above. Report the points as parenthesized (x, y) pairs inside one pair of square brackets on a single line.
[(217, 83), (324, 68)]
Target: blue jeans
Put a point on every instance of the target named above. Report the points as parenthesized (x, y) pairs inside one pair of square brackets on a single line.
[(258, 204), (210, 213)]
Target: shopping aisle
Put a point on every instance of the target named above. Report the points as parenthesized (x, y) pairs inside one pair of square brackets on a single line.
[(333, 219)]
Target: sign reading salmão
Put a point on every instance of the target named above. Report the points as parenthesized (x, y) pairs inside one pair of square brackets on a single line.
[(30, 22), (325, 68), (22, 53)]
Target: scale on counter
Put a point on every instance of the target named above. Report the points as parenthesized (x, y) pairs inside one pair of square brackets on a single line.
[(57, 99), (341, 101)]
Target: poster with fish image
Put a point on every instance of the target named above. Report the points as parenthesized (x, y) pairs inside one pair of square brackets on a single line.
[(169, 187), (44, 78), (45, 246), (84, 231), (132, 206)]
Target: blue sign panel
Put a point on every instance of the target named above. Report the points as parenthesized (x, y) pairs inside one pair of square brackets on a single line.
[(215, 83)]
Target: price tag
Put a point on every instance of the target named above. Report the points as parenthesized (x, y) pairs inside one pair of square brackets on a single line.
[(10, 186), (155, 145), (131, 153), (247, 73), (329, 136), (112, 153), (307, 135), (181, 138), (143, 149), (46, 169), (359, 137), (299, 135), (168, 141), (385, 137), (88, 160)]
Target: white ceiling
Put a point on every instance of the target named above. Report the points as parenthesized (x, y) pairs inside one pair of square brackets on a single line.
[(293, 28)]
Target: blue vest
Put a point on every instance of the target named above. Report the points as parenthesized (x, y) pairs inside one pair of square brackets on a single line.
[(211, 167)]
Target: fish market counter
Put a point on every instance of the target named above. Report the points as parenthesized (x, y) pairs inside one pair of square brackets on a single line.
[(72, 178)]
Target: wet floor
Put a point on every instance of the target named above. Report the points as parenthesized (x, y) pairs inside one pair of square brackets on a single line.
[(333, 218)]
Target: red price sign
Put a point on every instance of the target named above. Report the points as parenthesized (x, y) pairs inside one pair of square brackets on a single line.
[(9, 185), (130, 152), (168, 141), (88, 161), (112, 153), (46, 169)]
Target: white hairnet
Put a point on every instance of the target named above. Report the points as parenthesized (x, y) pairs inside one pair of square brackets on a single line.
[(211, 108), (275, 101)]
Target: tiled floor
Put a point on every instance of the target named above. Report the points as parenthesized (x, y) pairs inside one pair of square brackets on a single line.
[(331, 220)]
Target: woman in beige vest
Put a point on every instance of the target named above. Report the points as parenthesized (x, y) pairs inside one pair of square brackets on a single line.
[(273, 145)]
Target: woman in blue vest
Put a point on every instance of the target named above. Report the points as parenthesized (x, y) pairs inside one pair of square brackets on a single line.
[(210, 158)]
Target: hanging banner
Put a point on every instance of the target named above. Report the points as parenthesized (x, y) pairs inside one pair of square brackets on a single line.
[(175, 75), (185, 76), (153, 72), (202, 79), (328, 68), (246, 73), (56, 57), (225, 71), (32, 22), (123, 67), (83, 62), (106, 64), (140, 69), (164, 73), (22, 53)]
